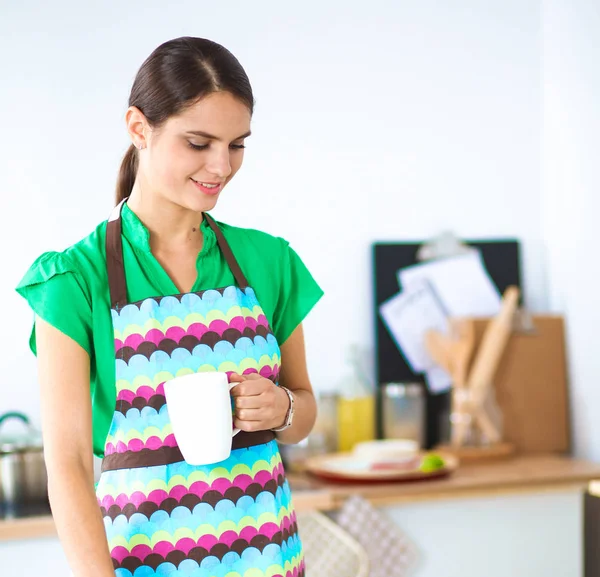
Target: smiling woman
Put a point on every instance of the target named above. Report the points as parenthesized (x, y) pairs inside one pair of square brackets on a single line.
[(160, 290), (178, 162)]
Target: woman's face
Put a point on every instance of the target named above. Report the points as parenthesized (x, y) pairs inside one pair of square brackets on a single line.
[(193, 155)]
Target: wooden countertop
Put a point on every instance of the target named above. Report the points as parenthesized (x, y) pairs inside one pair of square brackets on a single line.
[(519, 475)]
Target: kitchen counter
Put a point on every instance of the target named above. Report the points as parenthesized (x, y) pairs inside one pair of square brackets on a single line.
[(519, 475)]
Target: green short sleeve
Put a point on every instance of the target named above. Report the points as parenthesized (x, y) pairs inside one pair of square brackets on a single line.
[(299, 294), (57, 294)]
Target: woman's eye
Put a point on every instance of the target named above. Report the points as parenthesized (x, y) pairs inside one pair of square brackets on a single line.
[(205, 146), (197, 146)]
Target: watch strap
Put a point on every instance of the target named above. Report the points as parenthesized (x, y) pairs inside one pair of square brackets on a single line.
[(289, 416)]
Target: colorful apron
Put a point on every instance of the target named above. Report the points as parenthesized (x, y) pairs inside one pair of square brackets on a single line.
[(164, 517)]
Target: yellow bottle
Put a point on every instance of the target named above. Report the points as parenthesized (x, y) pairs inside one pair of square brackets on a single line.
[(356, 405), (356, 421)]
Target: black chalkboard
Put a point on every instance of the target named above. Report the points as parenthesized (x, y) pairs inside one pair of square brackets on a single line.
[(503, 263)]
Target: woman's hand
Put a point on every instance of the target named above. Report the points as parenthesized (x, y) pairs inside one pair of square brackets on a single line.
[(260, 405)]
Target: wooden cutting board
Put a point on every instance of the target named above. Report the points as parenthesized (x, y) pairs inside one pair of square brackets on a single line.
[(531, 386)]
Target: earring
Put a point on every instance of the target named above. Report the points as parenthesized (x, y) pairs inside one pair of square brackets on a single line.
[(141, 146)]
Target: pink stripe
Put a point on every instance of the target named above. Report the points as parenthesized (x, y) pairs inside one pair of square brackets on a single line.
[(119, 553), (157, 496), (248, 533), (178, 492), (250, 322), (135, 445), (170, 441), (266, 371), (134, 341), (197, 330), (154, 336), (262, 320), (207, 542), (122, 500), (242, 482), (199, 488), (154, 443), (144, 391), (286, 523), (185, 545), (218, 326), (141, 551), (137, 498), (228, 538), (263, 477), (269, 529), (107, 502), (118, 344), (238, 323), (163, 548), (126, 395), (175, 333), (221, 485)]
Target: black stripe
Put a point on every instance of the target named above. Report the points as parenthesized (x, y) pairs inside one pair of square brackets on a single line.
[(169, 455), (219, 551), (189, 501)]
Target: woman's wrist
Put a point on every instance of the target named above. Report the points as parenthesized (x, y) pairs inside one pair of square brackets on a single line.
[(285, 420)]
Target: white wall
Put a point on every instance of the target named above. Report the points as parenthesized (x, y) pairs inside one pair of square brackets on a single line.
[(572, 201), (374, 121)]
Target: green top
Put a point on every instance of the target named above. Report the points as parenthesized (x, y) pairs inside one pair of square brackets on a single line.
[(69, 290)]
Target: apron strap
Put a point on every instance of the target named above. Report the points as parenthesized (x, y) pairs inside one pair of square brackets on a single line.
[(227, 252), (115, 267)]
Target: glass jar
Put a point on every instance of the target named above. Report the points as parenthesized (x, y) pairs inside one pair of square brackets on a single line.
[(403, 412)]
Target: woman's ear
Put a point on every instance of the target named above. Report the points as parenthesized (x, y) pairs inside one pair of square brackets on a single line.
[(137, 126)]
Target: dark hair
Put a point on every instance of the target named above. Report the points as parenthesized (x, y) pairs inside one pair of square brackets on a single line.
[(176, 75)]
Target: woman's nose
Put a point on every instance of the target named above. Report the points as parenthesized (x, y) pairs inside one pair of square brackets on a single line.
[(218, 163)]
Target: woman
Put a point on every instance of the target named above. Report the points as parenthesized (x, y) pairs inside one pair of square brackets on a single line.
[(124, 296)]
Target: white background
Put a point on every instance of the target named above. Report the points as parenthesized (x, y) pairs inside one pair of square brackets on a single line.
[(382, 120)]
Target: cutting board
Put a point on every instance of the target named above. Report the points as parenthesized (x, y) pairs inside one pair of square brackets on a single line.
[(531, 386)]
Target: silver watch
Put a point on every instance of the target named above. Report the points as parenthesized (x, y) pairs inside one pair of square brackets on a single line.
[(289, 417)]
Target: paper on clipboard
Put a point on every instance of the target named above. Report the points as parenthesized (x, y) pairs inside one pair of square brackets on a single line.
[(438, 380), (461, 283), (408, 316)]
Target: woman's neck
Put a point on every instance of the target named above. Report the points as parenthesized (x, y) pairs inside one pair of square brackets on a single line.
[(171, 227)]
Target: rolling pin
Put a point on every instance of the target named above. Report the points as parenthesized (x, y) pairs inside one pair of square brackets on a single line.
[(488, 358)]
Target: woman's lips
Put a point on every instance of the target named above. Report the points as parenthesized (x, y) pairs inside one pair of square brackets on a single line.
[(210, 190)]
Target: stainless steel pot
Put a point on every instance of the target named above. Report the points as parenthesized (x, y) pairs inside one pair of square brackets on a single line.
[(23, 477)]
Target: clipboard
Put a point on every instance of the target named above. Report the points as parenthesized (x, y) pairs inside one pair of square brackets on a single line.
[(502, 259)]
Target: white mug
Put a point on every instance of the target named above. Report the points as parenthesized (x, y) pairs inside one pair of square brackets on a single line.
[(199, 408)]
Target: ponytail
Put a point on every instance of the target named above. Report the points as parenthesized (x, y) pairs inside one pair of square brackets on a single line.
[(127, 174)]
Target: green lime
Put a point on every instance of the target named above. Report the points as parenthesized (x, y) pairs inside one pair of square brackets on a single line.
[(431, 462)]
